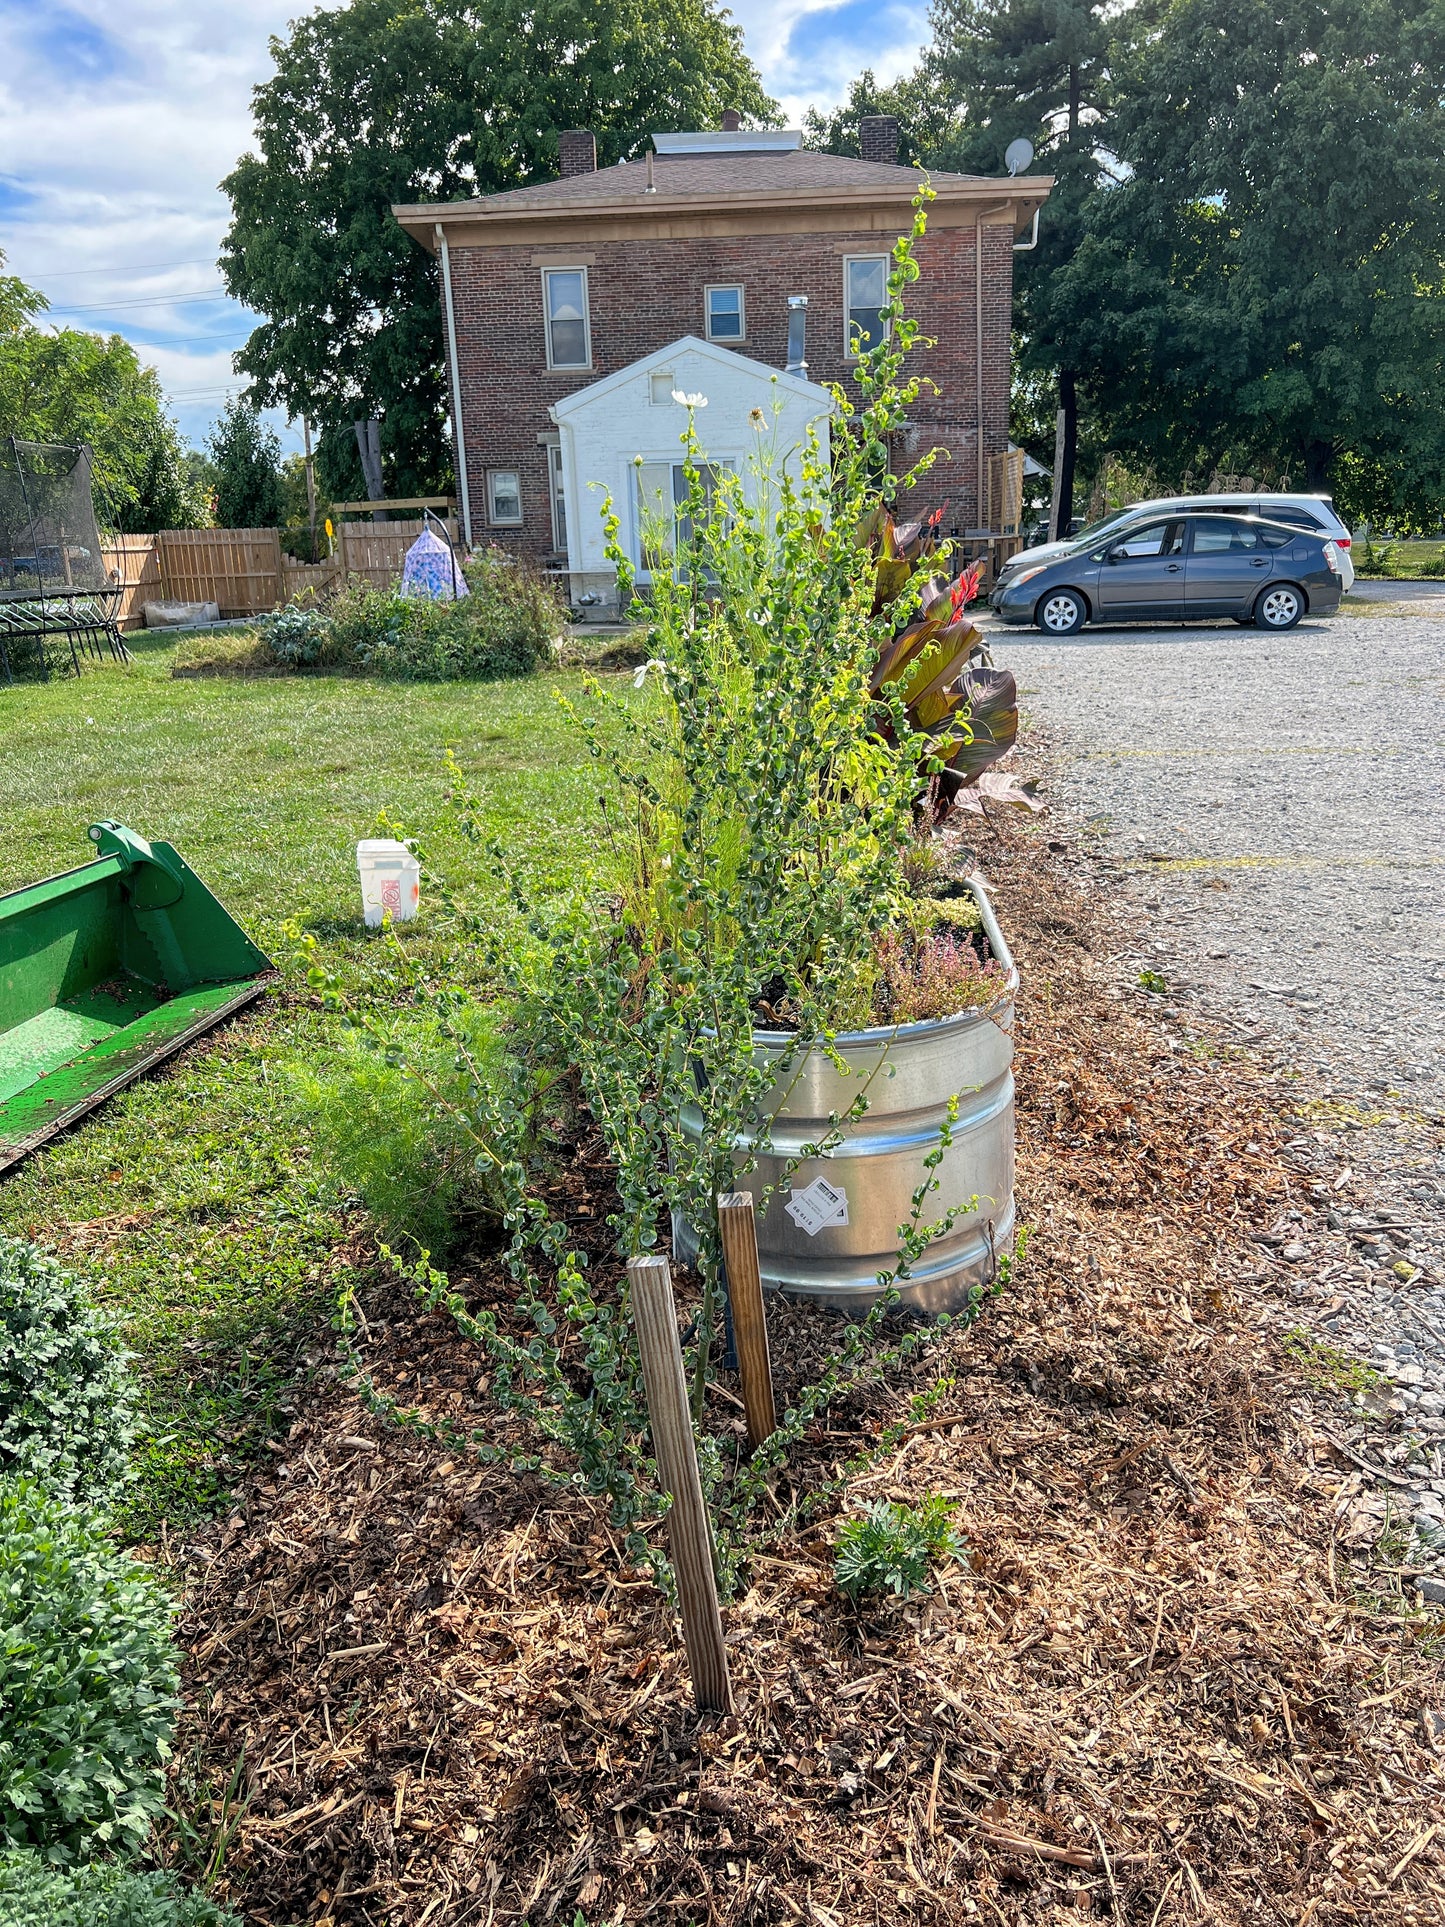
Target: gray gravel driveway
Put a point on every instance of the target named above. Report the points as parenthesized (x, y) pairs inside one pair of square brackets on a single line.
[(1274, 808), (1280, 802)]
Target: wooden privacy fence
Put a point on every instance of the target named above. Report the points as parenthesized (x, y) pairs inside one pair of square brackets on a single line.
[(238, 569), (1004, 509), (246, 572), (133, 561)]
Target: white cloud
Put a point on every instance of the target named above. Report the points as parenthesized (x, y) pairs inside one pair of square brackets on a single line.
[(116, 128), (117, 125)]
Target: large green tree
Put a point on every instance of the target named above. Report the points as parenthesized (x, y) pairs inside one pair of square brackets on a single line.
[(1039, 70), (65, 385), (925, 118), (1263, 287), (374, 103), (246, 455)]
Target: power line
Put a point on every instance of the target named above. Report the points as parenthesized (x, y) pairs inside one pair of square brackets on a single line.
[(178, 341), (143, 301), (140, 267)]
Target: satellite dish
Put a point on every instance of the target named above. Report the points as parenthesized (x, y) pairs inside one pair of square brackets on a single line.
[(1018, 155)]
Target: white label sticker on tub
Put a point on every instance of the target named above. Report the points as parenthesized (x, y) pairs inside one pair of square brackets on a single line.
[(818, 1205)]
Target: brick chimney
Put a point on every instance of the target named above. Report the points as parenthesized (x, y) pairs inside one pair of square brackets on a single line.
[(732, 120), (878, 138), (578, 152)]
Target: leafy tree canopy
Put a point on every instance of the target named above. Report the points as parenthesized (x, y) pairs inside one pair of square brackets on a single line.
[(64, 385), (925, 119), (1038, 70), (247, 458), (1264, 285), (373, 104)]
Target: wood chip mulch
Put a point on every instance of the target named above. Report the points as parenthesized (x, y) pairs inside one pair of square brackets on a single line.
[(1160, 1690)]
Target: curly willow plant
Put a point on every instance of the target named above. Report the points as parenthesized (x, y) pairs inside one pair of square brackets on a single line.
[(758, 791)]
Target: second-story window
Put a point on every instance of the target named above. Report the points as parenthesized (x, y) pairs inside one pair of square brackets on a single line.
[(865, 296), (569, 335), (725, 319)]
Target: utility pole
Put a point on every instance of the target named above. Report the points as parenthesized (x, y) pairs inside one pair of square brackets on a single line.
[(310, 485)]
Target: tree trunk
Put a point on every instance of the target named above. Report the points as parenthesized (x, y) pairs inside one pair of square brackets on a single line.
[(368, 445), (1069, 403), (1319, 462)]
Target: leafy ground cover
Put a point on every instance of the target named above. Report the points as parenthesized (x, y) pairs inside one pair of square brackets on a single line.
[(193, 1201)]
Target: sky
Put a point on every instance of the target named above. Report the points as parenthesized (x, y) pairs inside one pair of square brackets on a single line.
[(117, 123)]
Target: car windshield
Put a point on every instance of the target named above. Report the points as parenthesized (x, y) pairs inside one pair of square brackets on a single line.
[(1095, 529)]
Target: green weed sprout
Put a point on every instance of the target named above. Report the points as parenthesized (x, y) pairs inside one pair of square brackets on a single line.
[(893, 1548)]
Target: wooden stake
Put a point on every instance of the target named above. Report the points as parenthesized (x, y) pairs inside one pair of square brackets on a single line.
[(689, 1535), (738, 1226)]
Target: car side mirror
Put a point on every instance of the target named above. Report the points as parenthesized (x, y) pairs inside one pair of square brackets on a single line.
[(1114, 555)]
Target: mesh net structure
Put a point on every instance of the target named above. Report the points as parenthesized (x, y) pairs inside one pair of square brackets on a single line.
[(56, 594)]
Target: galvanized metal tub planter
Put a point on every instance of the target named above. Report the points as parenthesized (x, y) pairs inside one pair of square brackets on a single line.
[(831, 1233)]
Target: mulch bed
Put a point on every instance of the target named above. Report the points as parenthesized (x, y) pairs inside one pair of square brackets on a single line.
[(1156, 1692)]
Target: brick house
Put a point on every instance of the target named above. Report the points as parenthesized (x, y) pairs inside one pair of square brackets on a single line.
[(699, 258)]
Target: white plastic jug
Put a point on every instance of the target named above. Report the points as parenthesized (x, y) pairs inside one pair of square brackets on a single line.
[(390, 880)]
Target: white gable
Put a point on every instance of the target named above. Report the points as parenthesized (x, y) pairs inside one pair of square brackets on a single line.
[(703, 358), (628, 424)]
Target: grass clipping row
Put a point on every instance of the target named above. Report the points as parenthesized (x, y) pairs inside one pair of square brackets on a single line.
[(1157, 1691)]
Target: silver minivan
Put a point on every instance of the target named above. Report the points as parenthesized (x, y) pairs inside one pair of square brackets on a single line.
[(1316, 513)]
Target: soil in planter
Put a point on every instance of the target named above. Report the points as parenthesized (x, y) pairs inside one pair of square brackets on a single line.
[(1154, 1693)]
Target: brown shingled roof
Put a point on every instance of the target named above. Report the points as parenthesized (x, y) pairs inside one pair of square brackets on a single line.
[(704, 175)]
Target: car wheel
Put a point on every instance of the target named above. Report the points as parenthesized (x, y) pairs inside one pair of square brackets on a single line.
[(1279, 607), (1061, 613)]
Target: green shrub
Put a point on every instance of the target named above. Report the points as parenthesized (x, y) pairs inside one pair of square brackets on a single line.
[(66, 1397), (298, 637), (36, 1894), (386, 1136), (892, 1548), (505, 627), (88, 1687)]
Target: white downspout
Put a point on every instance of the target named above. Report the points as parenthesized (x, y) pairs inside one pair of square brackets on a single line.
[(459, 438)]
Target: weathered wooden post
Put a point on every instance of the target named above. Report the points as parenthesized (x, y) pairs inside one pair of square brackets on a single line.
[(689, 1534), (738, 1227)]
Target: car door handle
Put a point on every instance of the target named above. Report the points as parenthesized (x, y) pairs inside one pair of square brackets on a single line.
[(1172, 568), (1259, 562)]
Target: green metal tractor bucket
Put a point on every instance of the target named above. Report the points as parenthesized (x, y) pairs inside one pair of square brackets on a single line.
[(105, 971)]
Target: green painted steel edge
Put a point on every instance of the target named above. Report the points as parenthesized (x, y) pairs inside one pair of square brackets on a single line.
[(35, 1115), (105, 971)]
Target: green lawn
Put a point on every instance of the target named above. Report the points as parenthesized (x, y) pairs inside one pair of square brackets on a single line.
[(1403, 561), (192, 1200)]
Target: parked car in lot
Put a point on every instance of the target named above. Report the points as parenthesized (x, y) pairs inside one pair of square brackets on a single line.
[(1316, 512), (1173, 568)]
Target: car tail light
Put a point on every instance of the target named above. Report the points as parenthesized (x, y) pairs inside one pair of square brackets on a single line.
[(1342, 541), (1332, 559)]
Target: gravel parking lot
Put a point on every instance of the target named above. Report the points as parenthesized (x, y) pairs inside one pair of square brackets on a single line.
[(1274, 808)]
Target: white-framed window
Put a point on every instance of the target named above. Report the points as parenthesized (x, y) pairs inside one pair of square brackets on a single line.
[(504, 498), (559, 499), (660, 384), (569, 326), (660, 505), (726, 312), (865, 296)]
